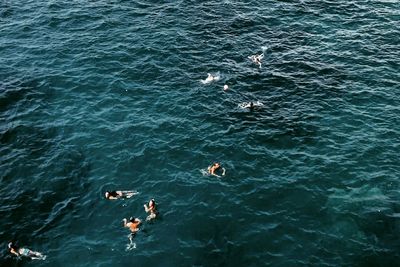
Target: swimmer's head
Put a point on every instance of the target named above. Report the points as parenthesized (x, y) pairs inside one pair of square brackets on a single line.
[(11, 245), (107, 194), (226, 87), (133, 219), (152, 202)]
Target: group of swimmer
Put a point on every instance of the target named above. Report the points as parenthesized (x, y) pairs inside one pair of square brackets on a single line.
[(151, 207), (256, 59), (216, 167), (133, 225)]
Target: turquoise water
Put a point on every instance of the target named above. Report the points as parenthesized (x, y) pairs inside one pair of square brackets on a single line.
[(103, 95)]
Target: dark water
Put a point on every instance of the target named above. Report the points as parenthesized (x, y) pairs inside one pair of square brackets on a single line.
[(98, 95)]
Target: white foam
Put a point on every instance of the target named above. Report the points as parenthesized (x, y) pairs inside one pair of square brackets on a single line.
[(39, 257), (205, 172), (130, 246)]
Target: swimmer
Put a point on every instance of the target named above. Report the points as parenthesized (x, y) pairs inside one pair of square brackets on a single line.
[(210, 78), (25, 252), (257, 59), (151, 208), (251, 105), (133, 225), (215, 167), (119, 194)]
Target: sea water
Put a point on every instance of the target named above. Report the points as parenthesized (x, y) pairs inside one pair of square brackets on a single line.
[(107, 95)]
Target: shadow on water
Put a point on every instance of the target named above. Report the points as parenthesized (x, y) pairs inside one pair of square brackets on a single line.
[(42, 176), (15, 92), (218, 247), (6, 10), (364, 221), (274, 126), (34, 140), (41, 204), (58, 198)]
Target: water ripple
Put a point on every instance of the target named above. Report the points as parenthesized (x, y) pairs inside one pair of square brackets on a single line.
[(107, 95)]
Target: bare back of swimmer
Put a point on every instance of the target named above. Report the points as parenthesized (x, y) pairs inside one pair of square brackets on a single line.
[(215, 167)]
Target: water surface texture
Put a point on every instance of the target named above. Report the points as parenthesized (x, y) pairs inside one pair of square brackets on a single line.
[(102, 95)]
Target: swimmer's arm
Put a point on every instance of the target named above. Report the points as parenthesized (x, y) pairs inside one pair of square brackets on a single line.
[(213, 173), (133, 192), (120, 194), (14, 252), (138, 223), (146, 208), (125, 220)]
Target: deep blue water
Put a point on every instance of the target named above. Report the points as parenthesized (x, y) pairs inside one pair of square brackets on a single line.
[(102, 95)]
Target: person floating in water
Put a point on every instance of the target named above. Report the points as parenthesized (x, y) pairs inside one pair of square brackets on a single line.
[(151, 208), (119, 194), (257, 59), (214, 168), (25, 252), (251, 105), (133, 225), (210, 78)]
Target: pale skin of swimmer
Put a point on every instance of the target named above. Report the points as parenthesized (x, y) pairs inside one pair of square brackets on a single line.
[(24, 252), (257, 59), (151, 208), (112, 195), (213, 168), (132, 224), (251, 105), (209, 78)]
